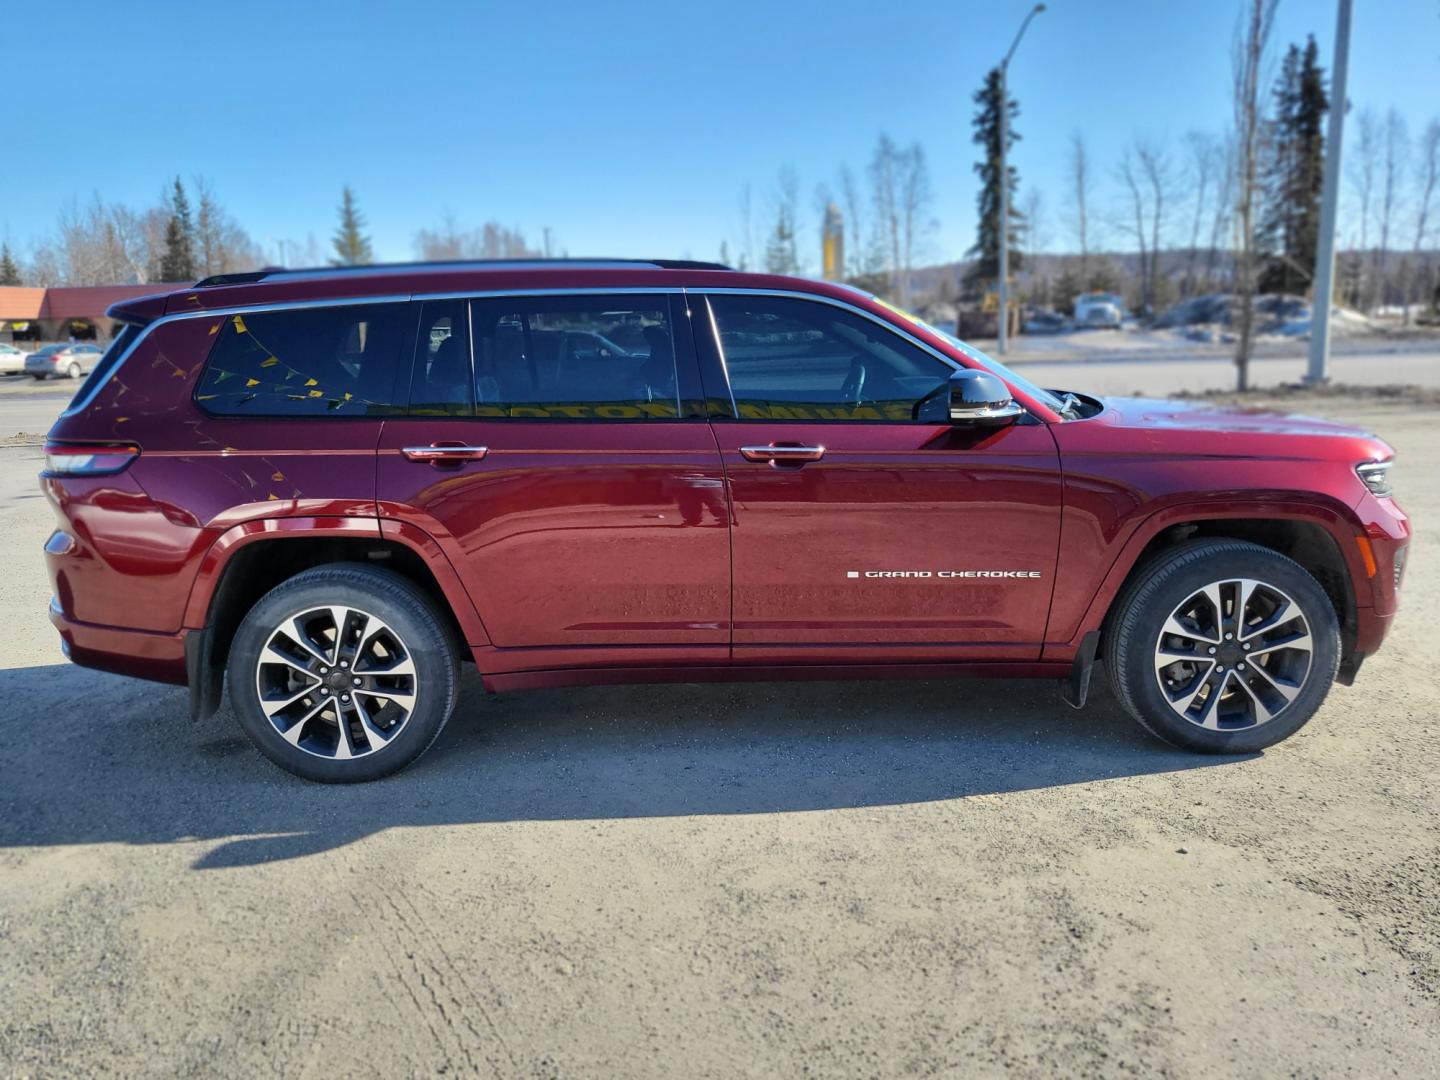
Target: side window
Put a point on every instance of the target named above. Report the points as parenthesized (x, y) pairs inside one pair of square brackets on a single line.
[(440, 381), (322, 361), (791, 359), (575, 358)]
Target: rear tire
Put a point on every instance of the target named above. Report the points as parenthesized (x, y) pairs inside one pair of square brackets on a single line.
[(73, 371), (1222, 646), (343, 673)]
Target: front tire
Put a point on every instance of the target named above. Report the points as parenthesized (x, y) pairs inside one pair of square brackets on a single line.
[(343, 673), (1222, 646)]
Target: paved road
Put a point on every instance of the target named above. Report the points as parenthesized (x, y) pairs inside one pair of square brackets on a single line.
[(958, 878), (1157, 376), (30, 407)]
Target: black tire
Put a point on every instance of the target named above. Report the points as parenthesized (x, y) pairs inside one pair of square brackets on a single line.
[(422, 633), (1156, 589), (38, 378)]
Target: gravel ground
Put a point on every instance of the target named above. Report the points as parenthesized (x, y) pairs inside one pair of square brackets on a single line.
[(817, 879)]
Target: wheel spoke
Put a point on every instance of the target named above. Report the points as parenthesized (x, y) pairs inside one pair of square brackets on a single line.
[(1287, 690), (404, 698), (296, 730), (1183, 703), (377, 738), (1300, 640), (344, 742), (1262, 711), (272, 655), (1278, 617), (402, 666), (273, 706), (1209, 712), (296, 633), (1214, 592)]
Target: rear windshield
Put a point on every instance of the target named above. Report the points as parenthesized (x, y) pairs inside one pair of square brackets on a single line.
[(322, 361)]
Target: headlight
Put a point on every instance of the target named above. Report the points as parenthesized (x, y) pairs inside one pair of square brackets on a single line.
[(1376, 476)]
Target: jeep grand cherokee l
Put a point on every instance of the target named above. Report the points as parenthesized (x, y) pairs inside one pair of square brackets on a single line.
[(329, 488)]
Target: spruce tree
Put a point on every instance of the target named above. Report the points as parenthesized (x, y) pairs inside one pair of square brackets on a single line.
[(9, 271), (987, 135), (1290, 221), (352, 247), (178, 262)]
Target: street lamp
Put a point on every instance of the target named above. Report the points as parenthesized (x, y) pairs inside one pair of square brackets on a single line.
[(1002, 341)]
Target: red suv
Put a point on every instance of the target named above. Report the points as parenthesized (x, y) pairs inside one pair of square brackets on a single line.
[(330, 487)]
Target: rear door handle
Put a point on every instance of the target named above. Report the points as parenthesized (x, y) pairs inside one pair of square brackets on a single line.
[(786, 454), (445, 453)]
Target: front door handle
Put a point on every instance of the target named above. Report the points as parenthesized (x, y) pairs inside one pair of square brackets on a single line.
[(443, 453), (783, 453)]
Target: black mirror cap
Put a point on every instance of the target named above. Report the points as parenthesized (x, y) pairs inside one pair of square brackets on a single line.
[(980, 398)]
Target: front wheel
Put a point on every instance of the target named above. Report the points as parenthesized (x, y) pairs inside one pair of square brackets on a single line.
[(343, 673), (1223, 646), (73, 371)]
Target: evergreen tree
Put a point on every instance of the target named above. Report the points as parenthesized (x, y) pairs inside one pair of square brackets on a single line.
[(178, 261), (352, 247), (9, 271), (1290, 219), (987, 135)]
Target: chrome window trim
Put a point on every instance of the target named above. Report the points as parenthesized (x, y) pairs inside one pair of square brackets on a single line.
[(80, 404)]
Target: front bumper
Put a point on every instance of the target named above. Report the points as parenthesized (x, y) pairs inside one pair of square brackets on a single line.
[(138, 653)]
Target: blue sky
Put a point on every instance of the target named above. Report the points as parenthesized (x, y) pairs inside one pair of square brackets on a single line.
[(628, 129)]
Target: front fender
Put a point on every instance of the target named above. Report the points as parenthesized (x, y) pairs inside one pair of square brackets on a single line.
[(1078, 611)]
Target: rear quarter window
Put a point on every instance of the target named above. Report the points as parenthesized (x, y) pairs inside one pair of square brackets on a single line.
[(322, 361)]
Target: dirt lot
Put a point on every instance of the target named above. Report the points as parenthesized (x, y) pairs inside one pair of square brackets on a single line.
[(959, 878)]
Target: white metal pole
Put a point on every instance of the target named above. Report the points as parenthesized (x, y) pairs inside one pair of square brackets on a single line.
[(1323, 293)]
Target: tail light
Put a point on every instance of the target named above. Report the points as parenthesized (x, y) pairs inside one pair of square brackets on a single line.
[(88, 459)]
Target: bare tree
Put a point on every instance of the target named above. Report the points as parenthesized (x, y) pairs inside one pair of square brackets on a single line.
[(1130, 176), (1252, 36), (1205, 160), (859, 251), (1396, 153), (1364, 164), (1224, 213), (221, 246), (1078, 168), (747, 231), (1155, 167), (901, 197), (782, 249), (1427, 174), (449, 241)]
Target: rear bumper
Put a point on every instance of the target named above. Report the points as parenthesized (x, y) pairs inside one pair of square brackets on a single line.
[(137, 653)]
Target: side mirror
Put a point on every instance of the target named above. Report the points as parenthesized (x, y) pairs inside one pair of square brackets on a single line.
[(980, 399)]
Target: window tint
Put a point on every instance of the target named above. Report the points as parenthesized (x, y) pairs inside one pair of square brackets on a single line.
[(791, 359), (307, 361), (440, 383), (575, 358)]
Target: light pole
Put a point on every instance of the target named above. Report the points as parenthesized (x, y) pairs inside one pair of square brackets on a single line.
[(1002, 341), (1320, 296)]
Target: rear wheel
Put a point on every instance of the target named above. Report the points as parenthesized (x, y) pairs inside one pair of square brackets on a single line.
[(343, 673), (73, 371), (1223, 646)]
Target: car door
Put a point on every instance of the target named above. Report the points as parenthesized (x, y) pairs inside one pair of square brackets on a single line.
[(557, 451), (866, 527)]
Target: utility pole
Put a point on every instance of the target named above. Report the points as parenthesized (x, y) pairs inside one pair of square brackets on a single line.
[(1323, 293), (1002, 340)]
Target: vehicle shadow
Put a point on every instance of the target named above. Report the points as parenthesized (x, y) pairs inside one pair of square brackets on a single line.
[(93, 758)]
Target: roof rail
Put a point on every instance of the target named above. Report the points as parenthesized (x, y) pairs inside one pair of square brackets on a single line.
[(268, 272)]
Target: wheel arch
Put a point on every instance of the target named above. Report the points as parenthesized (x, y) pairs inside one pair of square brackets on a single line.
[(1320, 539), (250, 559)]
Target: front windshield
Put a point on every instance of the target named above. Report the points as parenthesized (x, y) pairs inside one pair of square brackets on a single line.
[(1050, 400)]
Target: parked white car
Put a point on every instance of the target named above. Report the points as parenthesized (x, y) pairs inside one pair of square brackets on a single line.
[(1099, 309), (69, 361), (12, 360)]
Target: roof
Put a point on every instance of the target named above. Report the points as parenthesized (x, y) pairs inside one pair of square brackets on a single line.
[(80, 302)]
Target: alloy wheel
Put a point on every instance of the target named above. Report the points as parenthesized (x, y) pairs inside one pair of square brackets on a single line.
[(336, 682), (1233, 655)]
